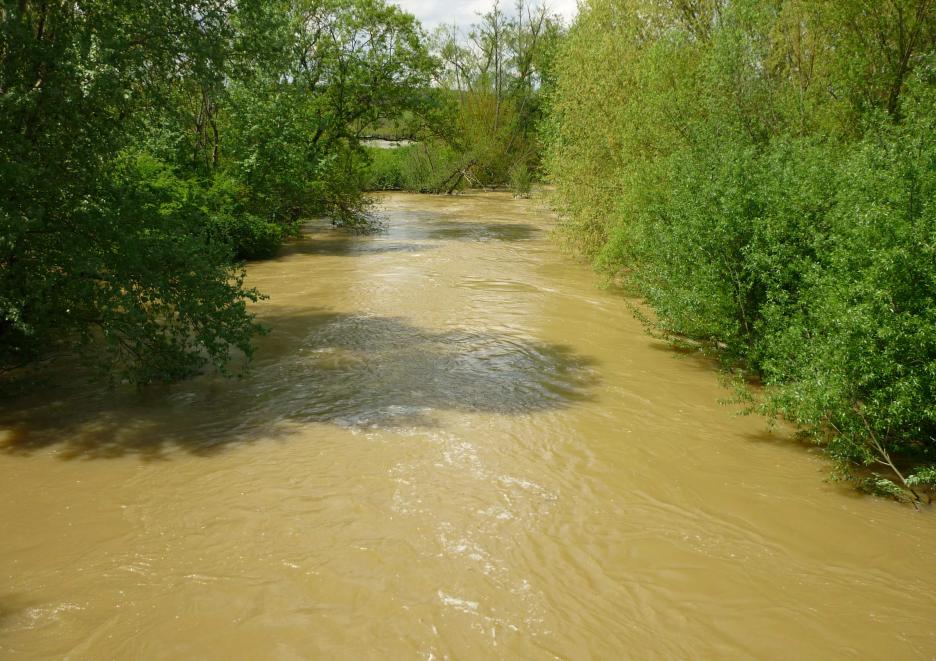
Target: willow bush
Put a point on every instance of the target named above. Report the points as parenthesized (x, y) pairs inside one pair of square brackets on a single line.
[(763, 175)]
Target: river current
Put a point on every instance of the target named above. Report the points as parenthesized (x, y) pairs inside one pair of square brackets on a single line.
[(452, 444)]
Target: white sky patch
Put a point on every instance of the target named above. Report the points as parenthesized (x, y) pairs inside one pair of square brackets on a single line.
[(463, 13)]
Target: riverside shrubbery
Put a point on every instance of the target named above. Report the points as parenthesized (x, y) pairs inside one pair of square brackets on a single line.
[(420, 167), (765, 177)]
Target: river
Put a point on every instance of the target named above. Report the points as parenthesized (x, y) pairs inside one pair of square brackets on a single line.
[(453, 444)]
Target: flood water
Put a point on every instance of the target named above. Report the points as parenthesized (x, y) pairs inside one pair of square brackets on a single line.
[(452, 444)]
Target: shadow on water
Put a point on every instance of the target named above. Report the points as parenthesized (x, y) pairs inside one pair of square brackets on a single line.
[(350, 246), (14, 610), (353, 371), (468, 231)]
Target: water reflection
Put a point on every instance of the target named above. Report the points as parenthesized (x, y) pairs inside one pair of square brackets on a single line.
[(354, 371)]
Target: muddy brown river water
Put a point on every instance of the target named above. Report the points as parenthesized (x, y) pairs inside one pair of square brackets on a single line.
[(452, 445)]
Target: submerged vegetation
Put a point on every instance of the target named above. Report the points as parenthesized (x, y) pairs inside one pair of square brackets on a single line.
[(764, 175)]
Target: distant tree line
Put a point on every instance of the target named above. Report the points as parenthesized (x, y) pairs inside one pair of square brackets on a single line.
[(763, 174), (479, 123)]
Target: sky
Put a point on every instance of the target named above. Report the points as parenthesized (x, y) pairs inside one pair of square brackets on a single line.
[(463, 12)]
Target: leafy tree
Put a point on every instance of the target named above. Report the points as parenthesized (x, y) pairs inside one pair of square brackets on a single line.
[(143, 145), (97, 244)]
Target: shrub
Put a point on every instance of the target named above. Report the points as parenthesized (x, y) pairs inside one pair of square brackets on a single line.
[(384, 168), (249, 236), (521, 179), (424, 167), (781, 218)]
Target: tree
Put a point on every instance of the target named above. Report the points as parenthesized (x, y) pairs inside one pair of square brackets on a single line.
[(145, 144)]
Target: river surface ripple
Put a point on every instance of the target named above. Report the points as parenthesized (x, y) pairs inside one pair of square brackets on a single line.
[(452, 444)]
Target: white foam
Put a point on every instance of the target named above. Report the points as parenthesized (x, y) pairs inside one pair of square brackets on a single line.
[(464, 605)]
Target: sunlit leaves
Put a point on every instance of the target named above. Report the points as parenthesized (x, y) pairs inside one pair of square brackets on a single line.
[(764, 175)]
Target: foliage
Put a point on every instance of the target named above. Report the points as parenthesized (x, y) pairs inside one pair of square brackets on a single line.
[(425, 167), (143, 145), (481, 119), (521, 179), (384, 170), (764, 175)]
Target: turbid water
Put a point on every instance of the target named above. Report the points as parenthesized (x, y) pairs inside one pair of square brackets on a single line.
[(452, 444)]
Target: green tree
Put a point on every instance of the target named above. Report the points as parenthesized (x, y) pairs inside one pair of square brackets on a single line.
[(97, 244), (143, 145)]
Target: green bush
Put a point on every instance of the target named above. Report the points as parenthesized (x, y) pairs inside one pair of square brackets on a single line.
[(521, 179), (858, 355), (422, 167), (427, 167), (249, 236), (781, 219), (384, 168)]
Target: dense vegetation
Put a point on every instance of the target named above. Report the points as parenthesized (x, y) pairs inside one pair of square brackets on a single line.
[(764, 175), (479, 122), (145, 145)]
